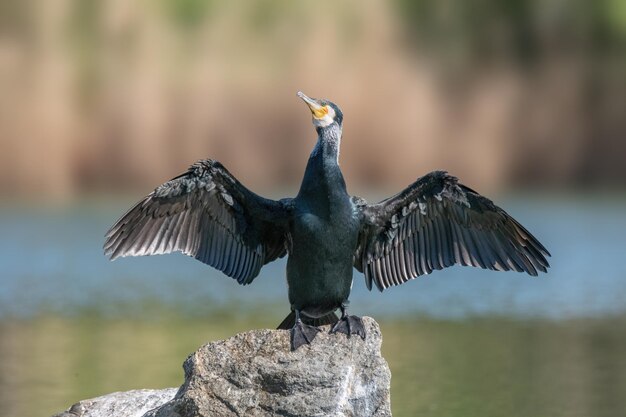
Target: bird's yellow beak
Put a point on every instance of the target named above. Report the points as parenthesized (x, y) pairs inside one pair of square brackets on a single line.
[(318, 110)]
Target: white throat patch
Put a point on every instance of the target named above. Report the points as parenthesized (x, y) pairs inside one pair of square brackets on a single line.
[(327, 120)]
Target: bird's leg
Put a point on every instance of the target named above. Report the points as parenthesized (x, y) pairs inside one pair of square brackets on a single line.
[(349, 324), (302, 333)]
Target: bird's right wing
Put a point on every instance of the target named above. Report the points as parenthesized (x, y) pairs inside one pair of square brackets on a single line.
[(205, 213), (434, 223)]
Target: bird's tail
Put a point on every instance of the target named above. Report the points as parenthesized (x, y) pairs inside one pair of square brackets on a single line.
[(290, 320)]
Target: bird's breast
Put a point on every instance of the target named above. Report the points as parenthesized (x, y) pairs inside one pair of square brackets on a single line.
[(330, 237)]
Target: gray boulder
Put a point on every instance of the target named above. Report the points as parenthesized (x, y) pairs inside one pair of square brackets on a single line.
[(123, 404), (255, 374)]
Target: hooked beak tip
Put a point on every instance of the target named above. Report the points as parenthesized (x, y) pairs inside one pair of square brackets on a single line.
[(312, 103), (316, 108)]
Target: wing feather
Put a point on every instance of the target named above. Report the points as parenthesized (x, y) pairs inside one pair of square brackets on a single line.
[(209, 215), (435, 223)]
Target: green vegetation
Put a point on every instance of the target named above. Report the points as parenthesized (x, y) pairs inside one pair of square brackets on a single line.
[(187, 14), (481, 367), (515, 29)]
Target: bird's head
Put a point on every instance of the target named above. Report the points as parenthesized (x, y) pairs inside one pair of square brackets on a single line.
[(324, 112)]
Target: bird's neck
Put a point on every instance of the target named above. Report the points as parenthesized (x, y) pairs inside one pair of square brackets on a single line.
[(328, 143), (323, 183)]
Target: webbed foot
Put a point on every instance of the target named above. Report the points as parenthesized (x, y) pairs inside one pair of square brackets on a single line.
[(302, 334), (349, 325)]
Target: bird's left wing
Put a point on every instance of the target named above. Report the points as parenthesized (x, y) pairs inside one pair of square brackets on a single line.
[(205, 213), (437, 222)]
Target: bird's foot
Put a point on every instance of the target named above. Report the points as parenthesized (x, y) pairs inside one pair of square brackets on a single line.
[(302, 334), (349, 325)]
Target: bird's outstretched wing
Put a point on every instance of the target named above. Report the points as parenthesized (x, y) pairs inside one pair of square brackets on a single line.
[(205, 213), (437, 222)]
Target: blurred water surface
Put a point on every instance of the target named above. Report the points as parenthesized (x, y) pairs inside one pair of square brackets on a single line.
[(463, 342), (52, 262), (488, 367)]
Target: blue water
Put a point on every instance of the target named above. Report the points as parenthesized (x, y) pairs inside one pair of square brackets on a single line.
[(51, 261)]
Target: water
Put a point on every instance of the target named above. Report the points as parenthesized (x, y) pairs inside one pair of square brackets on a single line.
[(52, 261), (461, 342)]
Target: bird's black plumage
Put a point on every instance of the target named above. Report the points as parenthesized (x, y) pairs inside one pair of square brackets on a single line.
[(434, 223), (205, 213)]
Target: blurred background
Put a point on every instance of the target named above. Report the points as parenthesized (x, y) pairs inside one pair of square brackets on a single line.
[(525, 101)]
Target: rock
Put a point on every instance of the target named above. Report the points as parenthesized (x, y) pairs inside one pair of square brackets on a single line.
[(123, 404), (255, 374)]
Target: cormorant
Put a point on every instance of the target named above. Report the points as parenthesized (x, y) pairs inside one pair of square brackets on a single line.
[(434, 223)]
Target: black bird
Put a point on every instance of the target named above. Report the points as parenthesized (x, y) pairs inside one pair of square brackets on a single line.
[(434, 223)]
